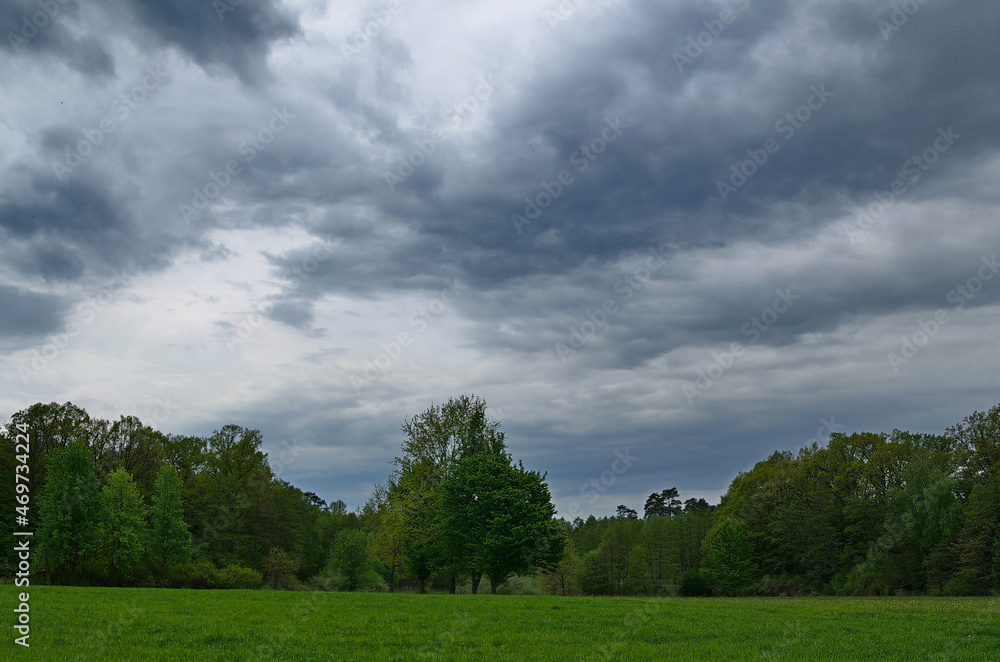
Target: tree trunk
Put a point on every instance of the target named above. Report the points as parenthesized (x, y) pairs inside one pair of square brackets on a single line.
[(493, 585), (392, 579), (452, 581), (421, 586), (476, 578)]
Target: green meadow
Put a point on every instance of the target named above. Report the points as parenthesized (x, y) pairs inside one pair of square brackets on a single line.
[(71, 623)]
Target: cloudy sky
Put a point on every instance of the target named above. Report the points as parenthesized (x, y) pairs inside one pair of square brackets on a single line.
[(686, 233)]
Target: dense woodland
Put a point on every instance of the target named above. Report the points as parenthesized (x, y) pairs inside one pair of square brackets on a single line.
[(121, 504)]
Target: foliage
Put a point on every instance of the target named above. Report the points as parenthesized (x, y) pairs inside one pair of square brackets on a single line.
[(729, 557), (866, 514), (122, 531), (499, 517), (695, 585), (170, 541), (70, 511), (238, 577), (280, 568), (350, 564)]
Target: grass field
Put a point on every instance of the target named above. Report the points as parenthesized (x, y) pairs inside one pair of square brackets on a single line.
[(157, 624)]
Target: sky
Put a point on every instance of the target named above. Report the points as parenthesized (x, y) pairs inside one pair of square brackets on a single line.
[(661, 239)]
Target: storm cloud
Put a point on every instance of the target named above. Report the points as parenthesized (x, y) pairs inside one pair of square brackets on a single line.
[(695, 232)]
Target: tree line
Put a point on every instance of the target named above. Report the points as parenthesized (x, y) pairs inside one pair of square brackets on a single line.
[(895, 513), (118, 503)]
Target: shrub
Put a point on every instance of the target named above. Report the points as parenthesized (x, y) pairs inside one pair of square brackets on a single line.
[(350, 566), (201, 574), (779, 586), (863, 579), (236, 576), (967, 582), (281, 570), (519, 585), (594, 574), (694, 585)]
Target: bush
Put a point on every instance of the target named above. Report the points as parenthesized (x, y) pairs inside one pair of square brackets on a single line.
[(967, 582), (594, 574), (281, 570), (694, 585), (518, 585), (350, 566), (862, 580), (201, 574), (236, 576), (779, 586)]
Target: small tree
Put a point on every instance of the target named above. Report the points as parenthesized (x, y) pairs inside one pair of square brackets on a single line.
[(730, 557), (123, 525), (562, 580), (350, 563), (280, 569)]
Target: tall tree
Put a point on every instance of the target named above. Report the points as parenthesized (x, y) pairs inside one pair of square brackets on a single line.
[(978, 441), (122, 532), (70, 510), (417, 497), (130, 445), (170, 540), (503, 514), (434, 441), (443, 434)]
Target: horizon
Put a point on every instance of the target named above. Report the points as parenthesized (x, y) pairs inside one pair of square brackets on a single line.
[(687, 233)]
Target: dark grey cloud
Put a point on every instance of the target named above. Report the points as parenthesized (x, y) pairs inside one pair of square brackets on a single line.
[(881, 101), (38, 29), (220, 36), (26, 314)]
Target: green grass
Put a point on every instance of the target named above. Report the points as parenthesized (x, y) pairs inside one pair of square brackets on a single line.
[(70, 623)]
